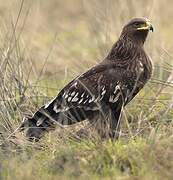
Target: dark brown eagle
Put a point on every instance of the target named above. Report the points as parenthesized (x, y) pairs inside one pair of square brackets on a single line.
[(102, 91)]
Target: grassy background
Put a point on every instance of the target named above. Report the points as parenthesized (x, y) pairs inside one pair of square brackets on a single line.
[(44, 44)]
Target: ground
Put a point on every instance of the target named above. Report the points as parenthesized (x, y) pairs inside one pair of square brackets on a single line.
[(46, 44)]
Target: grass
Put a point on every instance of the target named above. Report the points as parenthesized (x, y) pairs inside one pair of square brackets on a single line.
[(43, 46), (69, 159)]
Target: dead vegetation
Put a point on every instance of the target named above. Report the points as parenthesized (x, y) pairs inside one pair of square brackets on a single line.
[(41, 46)]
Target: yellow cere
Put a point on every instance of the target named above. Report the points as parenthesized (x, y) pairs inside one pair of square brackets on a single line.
[(145, 26)]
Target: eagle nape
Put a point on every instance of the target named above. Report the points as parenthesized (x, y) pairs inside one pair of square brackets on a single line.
[(100, 94)]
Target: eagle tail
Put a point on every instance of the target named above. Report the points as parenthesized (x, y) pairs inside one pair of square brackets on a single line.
[(44, 120)]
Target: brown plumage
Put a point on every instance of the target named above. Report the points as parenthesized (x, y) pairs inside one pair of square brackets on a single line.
[(102, 91)]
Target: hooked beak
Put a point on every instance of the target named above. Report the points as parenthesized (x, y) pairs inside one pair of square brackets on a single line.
[(147, 26)]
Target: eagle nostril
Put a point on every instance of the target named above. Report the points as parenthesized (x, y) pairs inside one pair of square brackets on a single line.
[(151, 28)]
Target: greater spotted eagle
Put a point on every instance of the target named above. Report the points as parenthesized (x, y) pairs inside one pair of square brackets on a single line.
[(102, 91)]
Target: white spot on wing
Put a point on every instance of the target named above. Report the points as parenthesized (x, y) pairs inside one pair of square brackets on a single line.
[(75, 99), (76, 94), (85, 101), (40, 121), (103, 92), (116, 88), (55, 109), (92, 99), (73, 93), (66, 96), (75, 84), (69, 99), (141, 67), (128, 96), (80, 100), (113, 98)]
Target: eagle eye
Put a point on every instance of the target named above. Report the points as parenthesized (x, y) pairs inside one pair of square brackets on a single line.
[(136, 24)]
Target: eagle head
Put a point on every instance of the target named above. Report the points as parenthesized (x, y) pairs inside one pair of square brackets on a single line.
[(137, 30)]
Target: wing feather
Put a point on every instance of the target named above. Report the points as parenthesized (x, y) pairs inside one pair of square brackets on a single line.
[(88, 91)]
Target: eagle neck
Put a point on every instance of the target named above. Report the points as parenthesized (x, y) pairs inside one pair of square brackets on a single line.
[(124, 49)]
